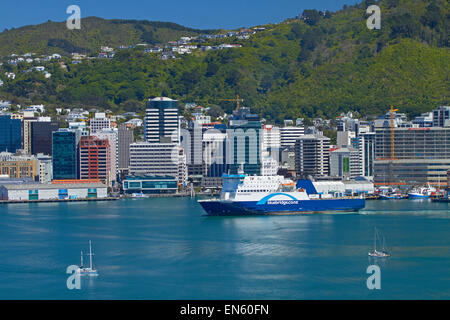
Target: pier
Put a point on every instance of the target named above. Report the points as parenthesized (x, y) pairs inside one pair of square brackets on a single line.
[(59, 200)]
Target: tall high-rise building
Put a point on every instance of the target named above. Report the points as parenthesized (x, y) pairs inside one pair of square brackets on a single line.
[(125, 138), (244, 142), (27, 120), (112, 137), (271, 140), (94, 159), (366, 146), (10, 134), (161, 121), (214, 154), (41, 136), (312, 156), (65, 154), (194, 152), (290, 134)]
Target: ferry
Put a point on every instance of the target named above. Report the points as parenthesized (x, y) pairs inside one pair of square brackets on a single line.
[(263, 195)]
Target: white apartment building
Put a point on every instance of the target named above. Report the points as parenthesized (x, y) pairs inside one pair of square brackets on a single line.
[(271, 139)]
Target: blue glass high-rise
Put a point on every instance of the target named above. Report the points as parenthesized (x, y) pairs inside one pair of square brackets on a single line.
[(10, 134), (65, 155)]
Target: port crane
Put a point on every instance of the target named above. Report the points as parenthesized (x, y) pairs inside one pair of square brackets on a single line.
[(237, 100)]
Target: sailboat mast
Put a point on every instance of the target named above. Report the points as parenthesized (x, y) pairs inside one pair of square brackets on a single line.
[(375, 240), (90, 254), (81, 259)]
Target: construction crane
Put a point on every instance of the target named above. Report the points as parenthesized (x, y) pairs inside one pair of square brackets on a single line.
[(391, 111), (237, 100)]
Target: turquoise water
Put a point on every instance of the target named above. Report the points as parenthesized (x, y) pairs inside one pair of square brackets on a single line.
[(165, 249)]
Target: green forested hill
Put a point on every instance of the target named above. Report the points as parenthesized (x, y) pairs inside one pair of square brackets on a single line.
[(53, 37), (321, 65)]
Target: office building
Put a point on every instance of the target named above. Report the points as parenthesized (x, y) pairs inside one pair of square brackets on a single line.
[(345, 163), (161, 120), (41, 136), (289, 134), (95, 159), (28, 118), (214, 154), (312, 156), (192, 143), (10, 134), (270, 141), (99, 122), (65, 154), (159, 159), (125, 138), (112, 136), (18, 166), (244, 142), (421, 156), (344, 138), (366, 146), (45, 164), (182, 168)]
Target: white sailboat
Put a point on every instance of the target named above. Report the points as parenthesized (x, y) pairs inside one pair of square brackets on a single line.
[(376, 253), (88, 271)]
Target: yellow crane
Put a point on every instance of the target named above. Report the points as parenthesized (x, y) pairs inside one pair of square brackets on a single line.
[(392, 110), (237, 100)]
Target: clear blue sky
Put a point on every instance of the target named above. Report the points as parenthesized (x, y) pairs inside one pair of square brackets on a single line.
[(203, 14)]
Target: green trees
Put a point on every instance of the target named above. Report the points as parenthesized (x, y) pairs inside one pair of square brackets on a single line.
[(293, 69)]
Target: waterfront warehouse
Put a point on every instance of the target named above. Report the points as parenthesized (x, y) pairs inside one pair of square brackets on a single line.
[(30, 192)]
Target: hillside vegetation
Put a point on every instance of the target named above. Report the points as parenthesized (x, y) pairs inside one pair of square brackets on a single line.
[(321, 65), (51, 37)]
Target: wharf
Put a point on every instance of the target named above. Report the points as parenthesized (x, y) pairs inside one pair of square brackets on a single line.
[(58, 200)]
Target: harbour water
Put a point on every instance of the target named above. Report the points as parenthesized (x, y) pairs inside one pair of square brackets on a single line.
[(164, 248)]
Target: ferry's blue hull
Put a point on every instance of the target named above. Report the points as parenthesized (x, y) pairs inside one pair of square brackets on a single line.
[(225, 208), (417, 196)]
